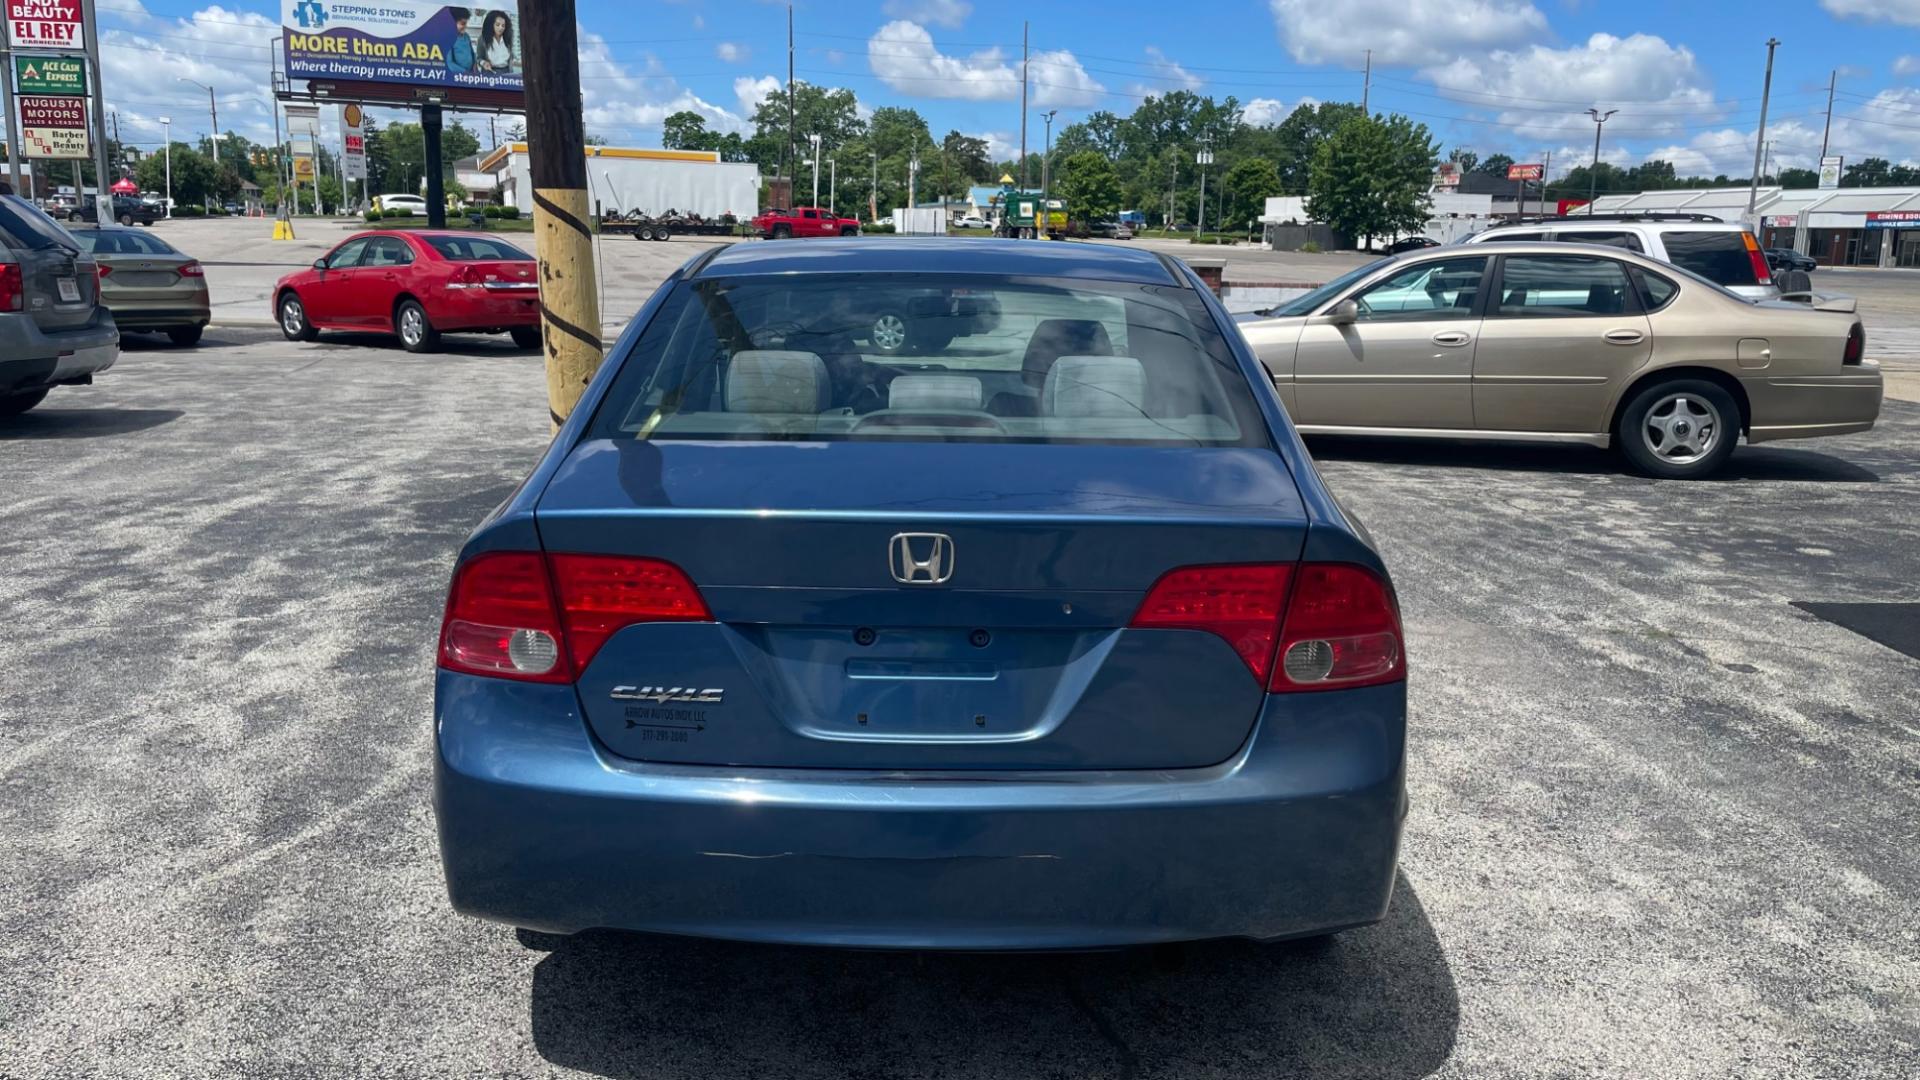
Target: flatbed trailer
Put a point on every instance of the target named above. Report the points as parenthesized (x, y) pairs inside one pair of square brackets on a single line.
[(666, 230)]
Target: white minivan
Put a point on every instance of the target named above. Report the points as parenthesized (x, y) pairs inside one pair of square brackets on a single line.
[(1723, 252)]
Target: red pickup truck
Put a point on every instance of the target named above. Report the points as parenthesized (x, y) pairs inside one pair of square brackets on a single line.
[(804, 221)]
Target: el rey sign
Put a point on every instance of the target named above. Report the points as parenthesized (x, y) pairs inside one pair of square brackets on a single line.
[(53, 127), (50, 74), (45, 24)]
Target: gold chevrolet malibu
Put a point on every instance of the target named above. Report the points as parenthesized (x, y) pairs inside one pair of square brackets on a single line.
[(1565, 343)]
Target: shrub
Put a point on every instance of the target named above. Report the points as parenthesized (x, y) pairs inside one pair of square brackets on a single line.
[(372, 216), (398, 212), (509, 213), (872, 228), (1311, 247), (189, 211), (490, 211)]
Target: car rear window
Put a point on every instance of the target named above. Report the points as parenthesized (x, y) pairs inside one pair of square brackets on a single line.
[(477, 249), (24, 225), (934, 359), (122, 242), (1720, 257)]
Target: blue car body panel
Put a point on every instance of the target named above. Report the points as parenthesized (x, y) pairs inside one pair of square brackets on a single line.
[(923, 790)]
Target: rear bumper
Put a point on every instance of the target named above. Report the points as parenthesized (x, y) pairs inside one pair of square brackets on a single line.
[(1809, 406), (31, 358), (485, 309), (1298, 833), (138, 316)]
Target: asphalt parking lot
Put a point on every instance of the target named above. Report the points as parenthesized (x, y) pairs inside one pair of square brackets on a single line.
[(1663, 819)]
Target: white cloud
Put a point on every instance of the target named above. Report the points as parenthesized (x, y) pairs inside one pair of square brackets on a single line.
[(699, 21), (903, 55), (626, 106), (1002, 145), (731, 51), (220, 47), (1906, 12), (749, 93), (947, 13), (1655, 86), (1907, 65), (1401, 31), (1167, 74), (1266, 112)]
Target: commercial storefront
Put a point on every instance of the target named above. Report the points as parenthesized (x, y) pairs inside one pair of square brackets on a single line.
[(1861, 227)]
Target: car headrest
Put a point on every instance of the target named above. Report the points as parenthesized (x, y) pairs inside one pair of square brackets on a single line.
[(935, 393), (1055, 338), (777, 381), (1109, 386)]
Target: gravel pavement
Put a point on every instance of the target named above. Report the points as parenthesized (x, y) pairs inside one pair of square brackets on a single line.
[(1663, 820)]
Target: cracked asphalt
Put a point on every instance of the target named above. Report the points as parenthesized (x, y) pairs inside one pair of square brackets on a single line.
[(1664, 821)]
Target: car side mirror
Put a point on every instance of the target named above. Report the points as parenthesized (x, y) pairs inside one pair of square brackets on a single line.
[(1343, 313), (320, 264)]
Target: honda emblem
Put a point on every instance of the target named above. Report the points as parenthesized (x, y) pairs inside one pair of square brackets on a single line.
[(921, 558)]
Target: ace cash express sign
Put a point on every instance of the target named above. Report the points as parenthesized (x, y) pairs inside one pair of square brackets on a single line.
[(45, 24)]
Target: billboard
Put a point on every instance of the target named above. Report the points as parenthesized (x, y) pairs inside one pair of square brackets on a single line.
[(1894, 219), (1830, 169), (1525, 172), (404, 43), (45, 24), (50, 74), (53, 126), (353, 143)]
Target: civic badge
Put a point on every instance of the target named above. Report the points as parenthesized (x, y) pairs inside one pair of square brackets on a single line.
[(921, 558)]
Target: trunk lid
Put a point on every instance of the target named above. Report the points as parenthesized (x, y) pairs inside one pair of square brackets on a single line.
[(62, 289), (1021, 658)]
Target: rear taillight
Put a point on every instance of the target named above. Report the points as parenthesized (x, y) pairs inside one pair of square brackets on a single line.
[(1856, 346), (101, 270), (192, 269), (467, 277), (1761, 272), (501, 620), (1340, 627), (12, 287), (599, 594), (518, 615), (1241, 604)]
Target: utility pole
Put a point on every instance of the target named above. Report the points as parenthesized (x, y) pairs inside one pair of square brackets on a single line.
[(1546, 177), (166, 128), (833, 184), (13, 116), (1046, 162), (1366, 86), (117, 145), (1023, 106), (913, 176), (563, 242), (787, 159), (1827, 129), (102, 202), (1203, 159), (1766, 90), (873, 189), (813, 139), (1173, 173), (1593, 174)]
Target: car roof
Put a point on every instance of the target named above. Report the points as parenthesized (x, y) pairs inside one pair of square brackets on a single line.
[(935, 255), (1622, 223)]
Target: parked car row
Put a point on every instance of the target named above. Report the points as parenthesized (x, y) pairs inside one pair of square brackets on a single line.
[(54, 331)]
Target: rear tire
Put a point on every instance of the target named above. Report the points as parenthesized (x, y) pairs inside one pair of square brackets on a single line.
[(15, 404), (416, 331), (782, 232), (527, 337), (185, 335), (293, 319), (645, 232), (1678, 429)]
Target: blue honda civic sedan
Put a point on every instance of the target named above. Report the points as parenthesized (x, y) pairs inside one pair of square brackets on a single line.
[(1028, 626)]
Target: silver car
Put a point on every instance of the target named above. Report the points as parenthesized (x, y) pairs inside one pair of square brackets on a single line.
[(148, 284), (53, 329)]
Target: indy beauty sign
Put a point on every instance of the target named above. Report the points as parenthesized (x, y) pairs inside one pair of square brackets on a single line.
[(45, 24), (403, 41)]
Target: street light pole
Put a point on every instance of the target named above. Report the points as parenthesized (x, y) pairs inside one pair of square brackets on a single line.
[(1593, 172), (833, 183), (814, 139), (1203, 159), (1760, 137), (1046, 170), (166, 127), (873, 189)]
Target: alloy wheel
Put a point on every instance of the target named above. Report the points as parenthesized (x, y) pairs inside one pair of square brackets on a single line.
[(1681, 428), (413, 325), (889, 332)]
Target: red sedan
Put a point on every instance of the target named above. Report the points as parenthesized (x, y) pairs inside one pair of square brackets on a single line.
[(418, 285)]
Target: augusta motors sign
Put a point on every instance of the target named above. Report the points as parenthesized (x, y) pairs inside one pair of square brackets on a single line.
[(44, 24), (53, 127)]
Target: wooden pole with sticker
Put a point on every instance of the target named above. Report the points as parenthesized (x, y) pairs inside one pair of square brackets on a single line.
[(563, 237)]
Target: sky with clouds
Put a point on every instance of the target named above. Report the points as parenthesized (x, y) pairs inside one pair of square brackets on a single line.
[(1507, 76)]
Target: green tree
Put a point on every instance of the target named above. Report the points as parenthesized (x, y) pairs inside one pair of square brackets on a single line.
[(830, 113), (1248, 185), (1799, 178), (686, 130), (194, 174), (1300, 137), (1868, 172), (1494, 165), (457, 142), (1371, 178), (1087, 183), (1465, 158)]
